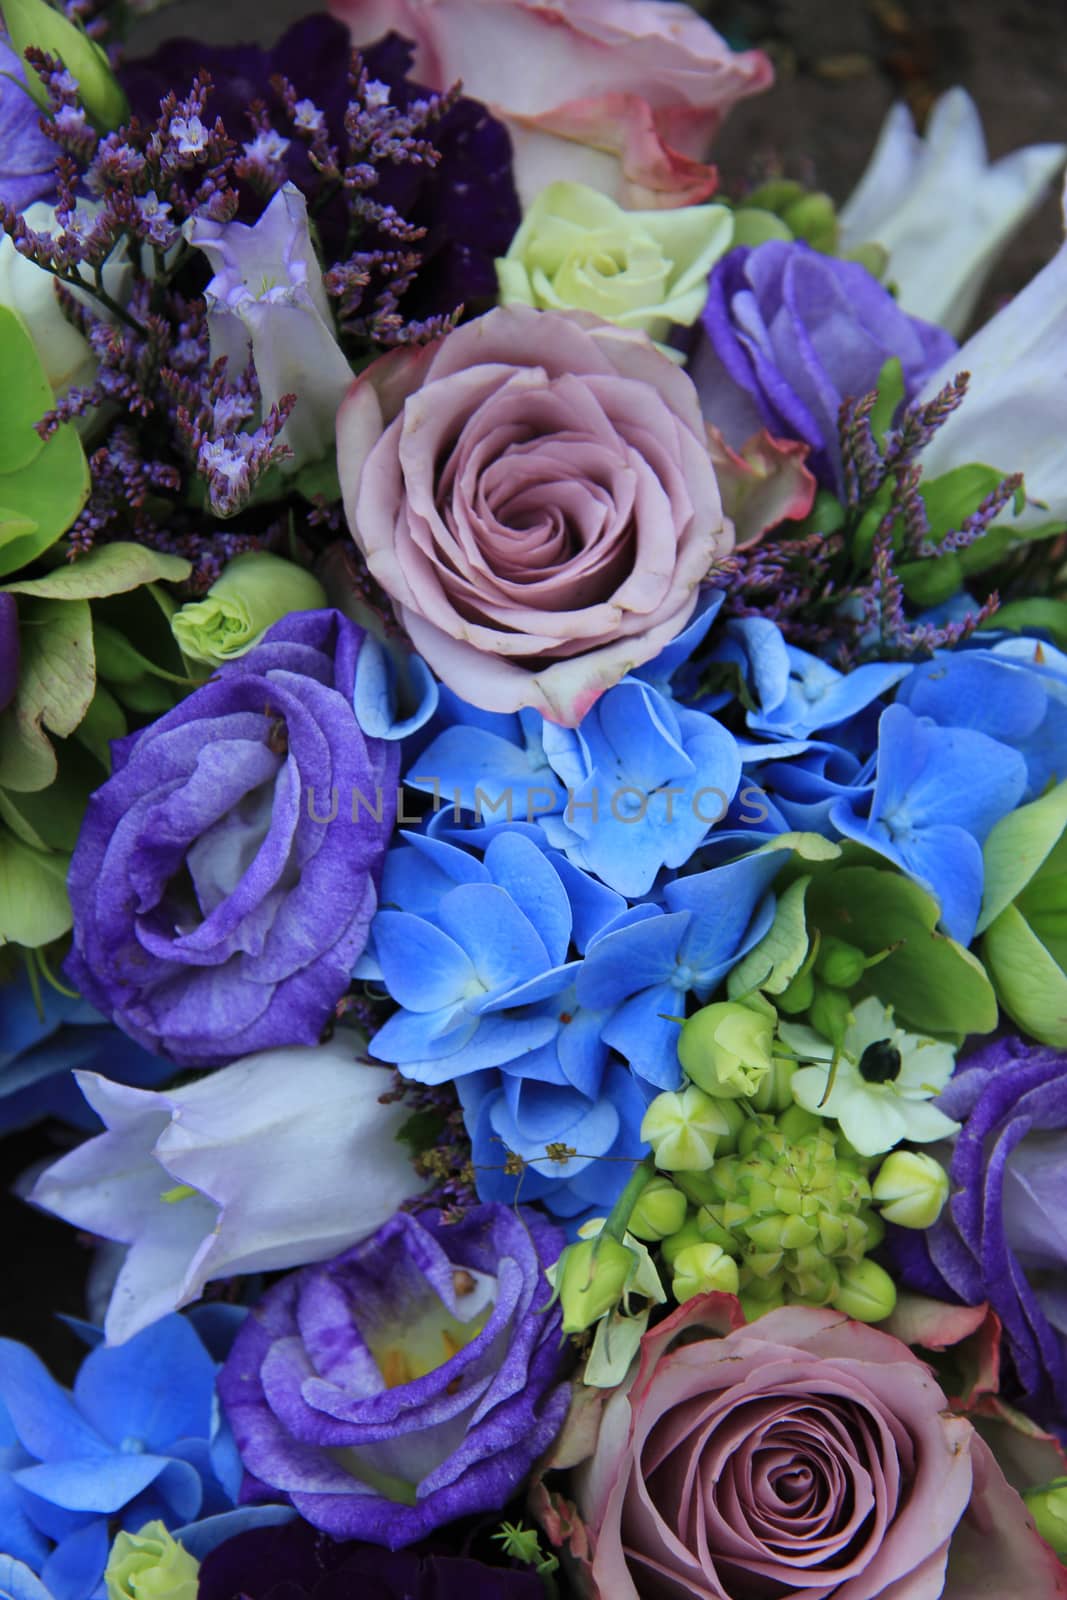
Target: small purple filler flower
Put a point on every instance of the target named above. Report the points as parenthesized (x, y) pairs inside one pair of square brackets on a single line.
[(217, 911), (790, 334), (1003, 1236), (406, 1383)]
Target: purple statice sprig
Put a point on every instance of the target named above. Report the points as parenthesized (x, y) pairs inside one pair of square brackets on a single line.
[(837, 585)]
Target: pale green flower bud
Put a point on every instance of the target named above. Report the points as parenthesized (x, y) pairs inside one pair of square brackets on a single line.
[(577, 250), (726, 1049), (35, 22), (865, 1291), (659, 1212), (150, 1565), (702, 1268), (798, 994), (254, 591), (683, 1129), (775, 1091), (689, 1233), (1047, 1504), (911, 1189), (839, 964), (591, 1278), (829, 1013)]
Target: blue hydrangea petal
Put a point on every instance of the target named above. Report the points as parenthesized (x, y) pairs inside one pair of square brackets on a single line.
[(424, 969)]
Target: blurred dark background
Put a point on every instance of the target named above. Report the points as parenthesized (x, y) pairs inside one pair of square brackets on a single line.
[(839, 66)]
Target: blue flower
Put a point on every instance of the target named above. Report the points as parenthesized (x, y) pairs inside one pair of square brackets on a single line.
[(39, 1048), (643, 970), (522, 1115), (1015, 692), (473, 969), (815, 695), (937, 793), (633, 790), (137, 1439), (805, 788)]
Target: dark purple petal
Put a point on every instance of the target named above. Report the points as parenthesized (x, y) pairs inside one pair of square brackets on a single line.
[(9, 650), (27, 156)]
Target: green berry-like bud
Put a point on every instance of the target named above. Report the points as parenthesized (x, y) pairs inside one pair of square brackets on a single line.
[(702, 1268), (813, 218), (754, 226), (591, 1279), (726, 1049), (683, 1129), (796, 1123), (839, 964), (659, 1212), (829, 1013), (254, 592), (1047, 1504), (865, 1291), (150, 1565), (911, 1189), (797, 995), (689, 1233), (775, 1093)]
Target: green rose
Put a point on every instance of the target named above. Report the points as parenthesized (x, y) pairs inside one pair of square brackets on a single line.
[(576, 250), (150, 1565), (255, 591)]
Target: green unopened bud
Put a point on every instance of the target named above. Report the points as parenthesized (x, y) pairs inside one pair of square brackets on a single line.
[(591, 1279), (1047, 1504), (255, 591), (150, 1565), (840, 964), (829, 1013), (702, 1268), (775, 1092), (911, 1189), (797, 995), (796, 1123), (761, 1295), (726, 1049), (776, 194), (683, 1129), (689, 1233), (35, 22), (754, 226), (813, 218), (865, 1291), (659, 1212)]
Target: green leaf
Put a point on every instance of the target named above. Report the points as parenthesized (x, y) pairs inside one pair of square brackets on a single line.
[(55, 814), (1017, 846), (20, 826), (25, 394), (56, 683), (105, 720), (808, 846), (50, 492), (319, 478), (1037, 615), (933, 983), (780, 954), (890, 397), (1030, 983), (112, 569), (1044, 902), (34, 908)]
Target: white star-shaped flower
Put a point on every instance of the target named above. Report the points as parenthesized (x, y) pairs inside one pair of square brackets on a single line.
[(884, 1084)]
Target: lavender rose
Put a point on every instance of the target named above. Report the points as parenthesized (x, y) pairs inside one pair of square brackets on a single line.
[(294, 1562), (214, 916), (535, 493), (409, 1381), (805, 1455), (1001, 1238), (27, 154), (789, 334)]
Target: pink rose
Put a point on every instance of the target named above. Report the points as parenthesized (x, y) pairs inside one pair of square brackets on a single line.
[(803, 1457), (625, 95), (535, 494)]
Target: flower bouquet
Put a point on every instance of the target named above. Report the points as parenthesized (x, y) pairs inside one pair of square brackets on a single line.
[(533, 824)]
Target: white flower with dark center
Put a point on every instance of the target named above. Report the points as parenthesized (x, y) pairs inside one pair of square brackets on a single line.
[(885, 1080)]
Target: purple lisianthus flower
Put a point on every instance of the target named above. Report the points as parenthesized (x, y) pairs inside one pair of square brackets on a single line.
[(1003, 1235), (27, 154), (408, 1382), (467, 202), (225, 877), (295, 1562), (788, 334), (9, 650)]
